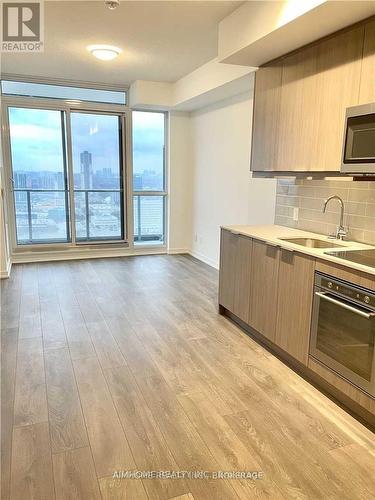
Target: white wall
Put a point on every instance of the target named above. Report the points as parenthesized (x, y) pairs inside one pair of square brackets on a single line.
[(252, 21), (201, 87), (144, 94), (179, 177), (223, 191), (207, 78)]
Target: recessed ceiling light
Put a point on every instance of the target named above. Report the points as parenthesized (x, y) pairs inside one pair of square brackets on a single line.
[(104, 52)]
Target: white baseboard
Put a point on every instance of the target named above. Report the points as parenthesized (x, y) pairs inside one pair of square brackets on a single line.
[(176, 251), (203, 258), (30, 257), (6, 273)]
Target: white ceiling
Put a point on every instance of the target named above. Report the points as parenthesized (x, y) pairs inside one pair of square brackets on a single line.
[(161, 41)]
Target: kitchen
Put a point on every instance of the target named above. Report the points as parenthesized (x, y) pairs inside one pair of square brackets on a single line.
[(187, 252), (309, 294)]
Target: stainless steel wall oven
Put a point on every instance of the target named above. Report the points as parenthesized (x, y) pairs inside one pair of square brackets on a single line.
[(343, 330)]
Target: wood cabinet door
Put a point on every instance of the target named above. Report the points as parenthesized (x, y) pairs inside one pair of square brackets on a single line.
[(235, 272), (263, 293), (318, 83), (367, 89), (294, 299), (227, 273), (243, 278), (339, 61), (297, 122), (266, 117)]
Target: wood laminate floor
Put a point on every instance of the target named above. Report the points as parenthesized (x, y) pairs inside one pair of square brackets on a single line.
[(124, 364)]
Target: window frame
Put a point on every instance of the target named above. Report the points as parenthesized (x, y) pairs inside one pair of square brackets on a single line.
[(54, 85), (27, 191), (65, 106), (123, 177), (164, 193)]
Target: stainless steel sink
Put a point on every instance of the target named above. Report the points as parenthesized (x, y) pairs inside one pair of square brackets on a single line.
[(311, 242)]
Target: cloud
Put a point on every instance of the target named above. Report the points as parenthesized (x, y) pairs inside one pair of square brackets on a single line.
[(37, 141)]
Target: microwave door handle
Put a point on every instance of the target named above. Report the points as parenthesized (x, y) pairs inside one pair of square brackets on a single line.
[(345, 306)]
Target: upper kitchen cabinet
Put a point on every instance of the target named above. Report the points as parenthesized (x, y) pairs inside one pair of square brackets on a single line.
[(337, 85), (297, 120), (318, 83), (367, 89), (266, 116)]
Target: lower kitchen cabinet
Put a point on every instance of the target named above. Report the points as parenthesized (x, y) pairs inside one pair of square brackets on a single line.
[(294, 303), (263, 290), (235, 273), (270, 289), (227, 276)]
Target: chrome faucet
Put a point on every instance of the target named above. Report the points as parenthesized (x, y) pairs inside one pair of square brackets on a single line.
[(341, 232)]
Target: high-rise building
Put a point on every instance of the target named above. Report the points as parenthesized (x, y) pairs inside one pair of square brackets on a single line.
[(137, 182), (48, 180), (86, 170), (20, 180)]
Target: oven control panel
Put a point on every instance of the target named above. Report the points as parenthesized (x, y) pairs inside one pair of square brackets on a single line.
[(348, 291)]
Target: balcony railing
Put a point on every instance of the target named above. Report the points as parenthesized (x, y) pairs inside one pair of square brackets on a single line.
[(47, 220), (149, 218), (96, 219), (42, 216), (34, 221)]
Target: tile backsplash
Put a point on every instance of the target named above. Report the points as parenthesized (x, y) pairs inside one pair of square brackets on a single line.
[(308, 196)]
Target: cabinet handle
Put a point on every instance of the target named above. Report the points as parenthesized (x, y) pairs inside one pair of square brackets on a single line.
[(364, 314)]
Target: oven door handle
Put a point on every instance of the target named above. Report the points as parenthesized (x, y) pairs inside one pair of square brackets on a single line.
[(345, 306)]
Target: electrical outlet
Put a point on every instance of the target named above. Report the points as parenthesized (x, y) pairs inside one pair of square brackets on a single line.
[(295, 213)]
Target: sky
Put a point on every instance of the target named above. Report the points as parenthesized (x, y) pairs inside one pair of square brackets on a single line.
[(36, 141), (99, 135), (148, 141)]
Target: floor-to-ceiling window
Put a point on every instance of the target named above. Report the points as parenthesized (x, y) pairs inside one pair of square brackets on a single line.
[(67, 164), (149, 178), (71, 181)]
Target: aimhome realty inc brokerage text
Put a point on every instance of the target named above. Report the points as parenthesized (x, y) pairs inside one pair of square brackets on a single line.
[(197, 474)]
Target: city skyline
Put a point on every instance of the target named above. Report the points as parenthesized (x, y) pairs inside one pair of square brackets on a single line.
[(36, 137), (102, 179), (102, 209)]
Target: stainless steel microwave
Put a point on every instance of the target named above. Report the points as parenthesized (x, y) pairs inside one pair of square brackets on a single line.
[(358, 156)]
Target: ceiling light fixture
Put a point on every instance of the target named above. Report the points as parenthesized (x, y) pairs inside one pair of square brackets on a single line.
[(104, 52), (112, 4)]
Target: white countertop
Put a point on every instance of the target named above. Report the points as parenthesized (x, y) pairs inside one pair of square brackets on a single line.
[(272, 234)]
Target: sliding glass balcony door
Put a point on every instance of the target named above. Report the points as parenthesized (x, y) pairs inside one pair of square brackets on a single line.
[(62, 201), (39, 176), (97, 176)]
